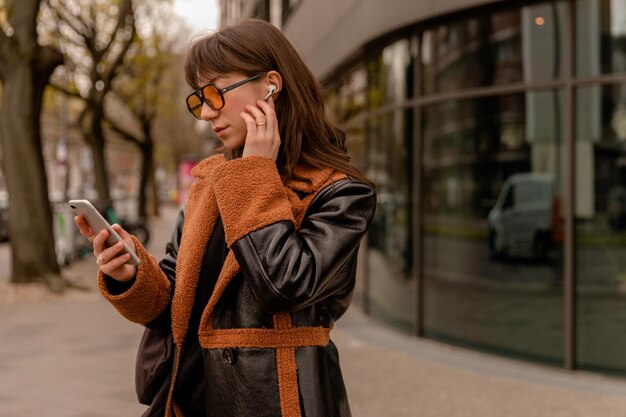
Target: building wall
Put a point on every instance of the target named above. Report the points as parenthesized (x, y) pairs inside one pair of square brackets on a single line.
[(329, 31), (326, 32), (499, 164)]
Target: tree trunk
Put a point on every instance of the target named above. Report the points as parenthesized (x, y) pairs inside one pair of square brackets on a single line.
[(31, 233), (146, 169), (95, 137), (154, 192)]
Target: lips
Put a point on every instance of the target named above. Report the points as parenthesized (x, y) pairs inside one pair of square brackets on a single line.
[(219, 129)]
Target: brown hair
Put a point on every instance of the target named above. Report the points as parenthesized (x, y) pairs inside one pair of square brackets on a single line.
[(255, 46)]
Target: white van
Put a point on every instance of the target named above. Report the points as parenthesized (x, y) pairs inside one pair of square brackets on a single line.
[(526, 218)]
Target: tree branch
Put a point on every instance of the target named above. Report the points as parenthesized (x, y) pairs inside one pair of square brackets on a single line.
[(92, 43), (125, 11), (66, 17), (110, 73), (66, 91), (47, 60), (124, 134), (81, 119)]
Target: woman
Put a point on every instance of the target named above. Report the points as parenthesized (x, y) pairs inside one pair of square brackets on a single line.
[(262, 260)]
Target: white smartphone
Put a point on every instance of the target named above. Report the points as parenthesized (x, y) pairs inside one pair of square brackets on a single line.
[(97, 223)]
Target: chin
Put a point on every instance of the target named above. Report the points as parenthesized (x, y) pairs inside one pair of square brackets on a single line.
[(230, 147), (232, 144)]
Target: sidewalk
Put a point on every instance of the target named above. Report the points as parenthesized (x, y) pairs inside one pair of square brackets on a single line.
[(73, 356)]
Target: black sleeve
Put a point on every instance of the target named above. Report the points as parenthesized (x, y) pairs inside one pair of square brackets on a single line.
[(168, 266), (289, 269), (168, 262)]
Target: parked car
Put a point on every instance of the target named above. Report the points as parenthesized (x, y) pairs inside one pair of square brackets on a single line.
[(4, 216), (526, 218)]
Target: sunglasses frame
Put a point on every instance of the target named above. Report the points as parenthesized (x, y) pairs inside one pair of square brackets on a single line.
[(221, 91)]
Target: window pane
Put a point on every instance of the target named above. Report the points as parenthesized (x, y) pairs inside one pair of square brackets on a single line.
[(600, 214), (524, 44), (390, 76), (355, 142), (392, 291), (493, 224), (600, 34), (352, 94)]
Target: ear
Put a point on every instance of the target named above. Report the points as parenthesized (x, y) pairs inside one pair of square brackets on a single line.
[(274, 78)]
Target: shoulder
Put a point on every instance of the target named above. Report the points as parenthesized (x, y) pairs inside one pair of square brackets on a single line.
[(346, 194), (347, 185)]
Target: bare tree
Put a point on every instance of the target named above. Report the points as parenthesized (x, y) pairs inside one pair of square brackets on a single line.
[(138, 91), (148, 88), (96, 35), (25, 68)]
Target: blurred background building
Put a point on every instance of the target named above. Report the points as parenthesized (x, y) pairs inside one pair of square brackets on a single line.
[(496, 134)]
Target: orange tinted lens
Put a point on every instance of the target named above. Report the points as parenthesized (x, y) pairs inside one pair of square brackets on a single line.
[(213, 97), (195, 105)]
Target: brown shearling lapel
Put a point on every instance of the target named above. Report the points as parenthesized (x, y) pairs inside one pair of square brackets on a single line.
[(201, 213), (197, 229)]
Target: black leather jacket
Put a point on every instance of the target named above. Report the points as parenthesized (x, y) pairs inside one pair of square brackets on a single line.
[(308, 272)]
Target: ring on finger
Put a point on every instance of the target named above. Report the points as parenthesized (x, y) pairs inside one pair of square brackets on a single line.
[(91, 238), (100, 259), (260, 124)]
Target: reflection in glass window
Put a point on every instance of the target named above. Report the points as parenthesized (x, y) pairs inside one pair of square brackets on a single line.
[(493, 224), (464, 140), (543, 40), (391, 287), (600, 214), (390, 75), (492, 194), (536, 191), (331, 104), (524, 44), (600, 37), (352, 94), (355, 142)]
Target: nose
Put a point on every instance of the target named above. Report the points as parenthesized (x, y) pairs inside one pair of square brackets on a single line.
[(208, 113)]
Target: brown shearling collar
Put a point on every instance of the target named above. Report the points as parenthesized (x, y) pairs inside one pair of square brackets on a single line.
[(317, 176)]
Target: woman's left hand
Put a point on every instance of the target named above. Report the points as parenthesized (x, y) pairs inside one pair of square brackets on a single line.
[(263, 138)]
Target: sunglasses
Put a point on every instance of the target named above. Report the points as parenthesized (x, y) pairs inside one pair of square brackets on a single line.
[(212, 95)]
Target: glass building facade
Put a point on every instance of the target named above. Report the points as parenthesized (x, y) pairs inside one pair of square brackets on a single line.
[(497, 140)]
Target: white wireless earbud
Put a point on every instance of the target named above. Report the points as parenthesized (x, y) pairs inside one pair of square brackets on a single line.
[(270, 90)]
